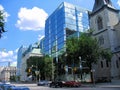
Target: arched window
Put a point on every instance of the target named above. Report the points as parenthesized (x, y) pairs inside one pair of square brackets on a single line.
[(99, 23)]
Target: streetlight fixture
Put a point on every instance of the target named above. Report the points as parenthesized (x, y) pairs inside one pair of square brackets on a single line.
[(37, 73), (80, 66)]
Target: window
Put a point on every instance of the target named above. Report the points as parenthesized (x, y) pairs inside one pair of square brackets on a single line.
[(107, 64), (107, 1), (117, 64), (99, 23), (101, 40), (97, 2), (101, 64)]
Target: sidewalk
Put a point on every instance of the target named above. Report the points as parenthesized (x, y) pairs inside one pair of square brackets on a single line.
[(112, 84)]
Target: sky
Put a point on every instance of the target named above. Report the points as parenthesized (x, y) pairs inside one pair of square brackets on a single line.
[(25, 22)]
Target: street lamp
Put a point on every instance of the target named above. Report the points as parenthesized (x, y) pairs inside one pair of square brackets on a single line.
[(80, 66), (37, 73)]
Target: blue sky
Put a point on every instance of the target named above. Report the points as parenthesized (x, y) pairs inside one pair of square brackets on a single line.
[(25, 21)]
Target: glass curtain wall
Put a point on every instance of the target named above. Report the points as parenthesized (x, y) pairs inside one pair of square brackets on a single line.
[(67, 20)]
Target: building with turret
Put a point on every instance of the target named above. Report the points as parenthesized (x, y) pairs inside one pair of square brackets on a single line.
[(105, 23)]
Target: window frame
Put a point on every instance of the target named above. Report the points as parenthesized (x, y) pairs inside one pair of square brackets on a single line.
[(99, 23)]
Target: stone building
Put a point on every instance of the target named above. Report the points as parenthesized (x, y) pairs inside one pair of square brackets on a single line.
[(7, 72), (105, 21)]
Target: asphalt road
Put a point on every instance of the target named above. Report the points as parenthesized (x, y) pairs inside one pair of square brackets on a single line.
[(35, 87)]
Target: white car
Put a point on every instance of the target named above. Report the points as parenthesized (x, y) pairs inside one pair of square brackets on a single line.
[(43, 83)]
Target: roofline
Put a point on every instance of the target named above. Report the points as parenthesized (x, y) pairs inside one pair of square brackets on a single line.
[(105, 6)]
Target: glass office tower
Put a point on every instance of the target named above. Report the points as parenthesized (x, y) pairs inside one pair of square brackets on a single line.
[(66, 21)]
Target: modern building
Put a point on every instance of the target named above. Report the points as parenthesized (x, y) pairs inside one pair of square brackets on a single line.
[(32, 51), (105, 21), (42, 44), (67, 20), (21, 50)]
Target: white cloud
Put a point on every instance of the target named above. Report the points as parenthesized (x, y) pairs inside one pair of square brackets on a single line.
[(8, 56), (4, 54), (1, 7), (118, 2), (5, 14), (31, 19)]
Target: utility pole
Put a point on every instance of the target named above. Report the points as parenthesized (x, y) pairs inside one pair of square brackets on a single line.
[(80, 67)]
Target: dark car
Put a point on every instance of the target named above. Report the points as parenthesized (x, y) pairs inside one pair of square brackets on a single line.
[(72, 84), (56, 84)]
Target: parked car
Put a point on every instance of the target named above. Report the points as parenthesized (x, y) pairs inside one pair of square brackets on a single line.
[(43, 83), (71, 84), (6, 82), (56, 84)]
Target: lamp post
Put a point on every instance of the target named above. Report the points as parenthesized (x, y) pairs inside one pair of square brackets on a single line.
[(66, 67), (80, 67), (37, 73)]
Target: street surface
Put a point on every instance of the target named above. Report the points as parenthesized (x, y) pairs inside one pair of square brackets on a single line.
[(97, 87)]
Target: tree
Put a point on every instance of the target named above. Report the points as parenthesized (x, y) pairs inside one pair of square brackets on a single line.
[(48, 67), (90, 51), (42, 64), (87, 48), (35, 64), (2, 21), (72, 49)]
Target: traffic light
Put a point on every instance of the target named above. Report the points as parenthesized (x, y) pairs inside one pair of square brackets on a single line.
[(29, 70), (74, 69)]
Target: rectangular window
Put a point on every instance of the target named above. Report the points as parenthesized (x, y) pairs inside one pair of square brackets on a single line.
[(117, 64), (107, 64), (101, 40), (101, 64)]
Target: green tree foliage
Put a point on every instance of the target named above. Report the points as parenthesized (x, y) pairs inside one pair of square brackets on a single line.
[(48, 67), (34, 64), (41, 64), (72, 50), (2, 21), (87, 48)]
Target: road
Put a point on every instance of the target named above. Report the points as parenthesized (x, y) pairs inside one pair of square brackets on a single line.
[(35, 87)]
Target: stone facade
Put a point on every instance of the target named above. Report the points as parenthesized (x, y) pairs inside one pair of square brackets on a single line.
[(7, 72), (105, 23)]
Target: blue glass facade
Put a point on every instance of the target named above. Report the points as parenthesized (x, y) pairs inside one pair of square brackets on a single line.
[(67, 20)]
